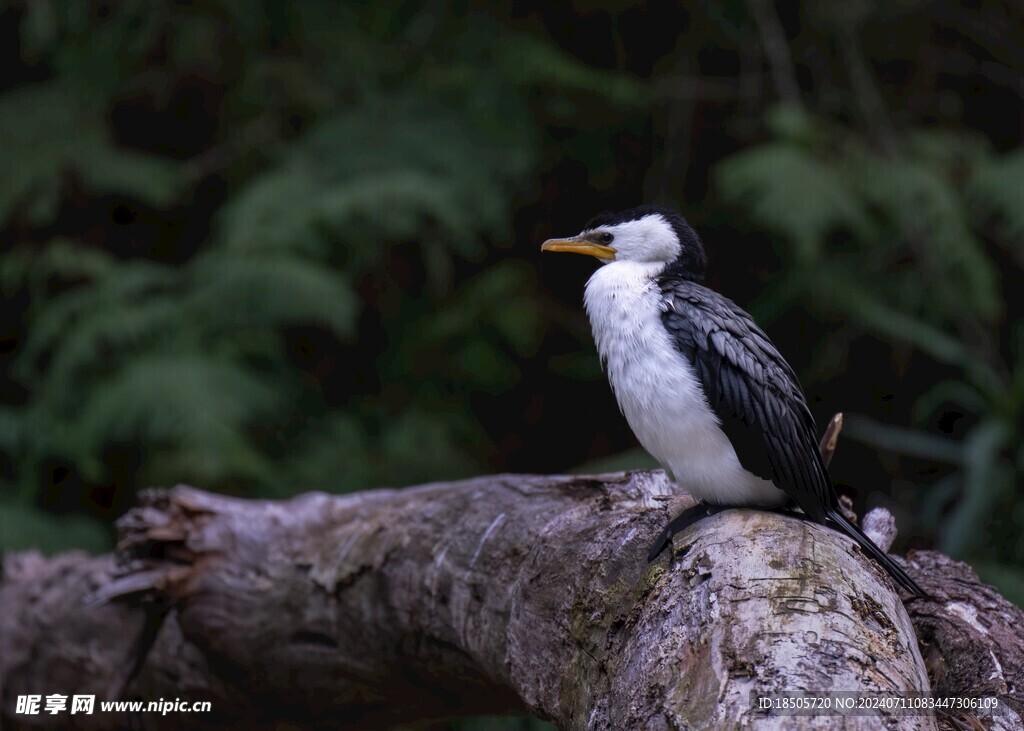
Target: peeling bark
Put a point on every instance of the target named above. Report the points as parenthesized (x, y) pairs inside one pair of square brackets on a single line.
[(507, 593)]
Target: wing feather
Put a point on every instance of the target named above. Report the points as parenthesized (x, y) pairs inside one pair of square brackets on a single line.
[(753, 391)]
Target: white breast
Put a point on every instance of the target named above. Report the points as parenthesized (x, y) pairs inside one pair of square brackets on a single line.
[(658, 392)]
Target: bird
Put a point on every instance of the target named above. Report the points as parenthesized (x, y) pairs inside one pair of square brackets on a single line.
[(703, 388)]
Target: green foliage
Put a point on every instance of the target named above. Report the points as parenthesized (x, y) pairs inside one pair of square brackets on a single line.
[(922, 208), (409, 164), (793, 194), (396, 169), (533, 63), (23, 528), (996, 195), (53, 131), (187, 362), (1009, 579), (900, 214), (180, 360), (345, 302), (896, 245)]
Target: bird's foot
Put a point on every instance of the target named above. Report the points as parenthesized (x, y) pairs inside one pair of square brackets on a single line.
[(680, 523), (792, 510)]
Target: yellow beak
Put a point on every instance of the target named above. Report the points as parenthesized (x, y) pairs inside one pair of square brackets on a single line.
[(579, 246)]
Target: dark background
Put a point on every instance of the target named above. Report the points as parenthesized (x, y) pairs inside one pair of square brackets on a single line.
[(271, 247)]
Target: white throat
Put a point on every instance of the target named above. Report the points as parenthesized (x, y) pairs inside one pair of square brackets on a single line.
[(620, 298)]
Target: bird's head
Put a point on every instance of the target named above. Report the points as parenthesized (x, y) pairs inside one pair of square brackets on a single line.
[(646, 234)]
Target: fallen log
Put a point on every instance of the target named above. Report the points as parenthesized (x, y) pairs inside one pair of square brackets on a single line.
[(511, 593)]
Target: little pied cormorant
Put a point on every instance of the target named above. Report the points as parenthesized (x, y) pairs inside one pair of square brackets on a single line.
[(701, 385)]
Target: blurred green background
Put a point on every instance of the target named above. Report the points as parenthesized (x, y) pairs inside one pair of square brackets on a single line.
[(271, 247)]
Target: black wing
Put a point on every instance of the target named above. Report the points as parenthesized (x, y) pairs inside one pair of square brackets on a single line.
[(753, 390), (758, 399)]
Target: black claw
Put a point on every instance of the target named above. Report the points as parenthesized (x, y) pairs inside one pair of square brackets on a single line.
[(680, 523), (659, 545)]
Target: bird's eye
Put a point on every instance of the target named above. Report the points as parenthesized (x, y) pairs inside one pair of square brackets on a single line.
[(605, 238)]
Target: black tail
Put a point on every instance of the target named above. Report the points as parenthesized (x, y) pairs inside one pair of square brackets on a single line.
[(895, 570)]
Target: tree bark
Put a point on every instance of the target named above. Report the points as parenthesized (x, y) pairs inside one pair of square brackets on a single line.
[(509, 593)]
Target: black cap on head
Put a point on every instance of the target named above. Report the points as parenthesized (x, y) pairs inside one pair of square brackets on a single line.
[(691, 263)]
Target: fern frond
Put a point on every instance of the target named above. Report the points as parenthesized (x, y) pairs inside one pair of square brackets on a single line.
[(170, 399), (228, 293), (101, 342), (60, 258), (791, 193), (927, 209), (533, 62), (85, 306), (273, 213), (23, 527), (13, 430), (988, 480), (839, 290), (498, 298), (947, 149), (996, 194), (230, 461), (398, 205), (48, 131), (333, 455), (395, 170), (419, 444)]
